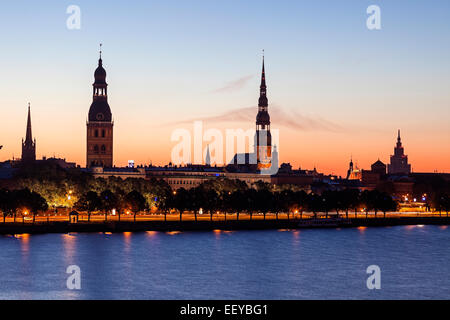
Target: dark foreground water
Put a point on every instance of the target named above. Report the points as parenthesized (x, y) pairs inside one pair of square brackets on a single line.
[(306, 264)]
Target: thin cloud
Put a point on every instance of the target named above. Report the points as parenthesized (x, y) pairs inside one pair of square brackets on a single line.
[(234, 85), (279, 118)]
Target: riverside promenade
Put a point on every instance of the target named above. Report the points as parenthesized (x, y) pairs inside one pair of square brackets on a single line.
[(188, 223)]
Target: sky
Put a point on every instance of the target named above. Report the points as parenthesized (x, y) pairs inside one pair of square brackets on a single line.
[(336, 89)]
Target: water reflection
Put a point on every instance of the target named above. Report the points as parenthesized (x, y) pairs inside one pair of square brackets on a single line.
[(265, 264)]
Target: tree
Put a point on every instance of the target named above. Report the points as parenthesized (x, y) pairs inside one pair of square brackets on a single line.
[(89, 202), (136, 202), (181, 200), (386, 203), (109, 201), (6, 203)]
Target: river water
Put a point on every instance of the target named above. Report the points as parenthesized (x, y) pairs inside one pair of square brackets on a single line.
[(278, 264)]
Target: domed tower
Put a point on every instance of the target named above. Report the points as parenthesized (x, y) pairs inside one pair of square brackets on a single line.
[(263, 137), (100, 124)]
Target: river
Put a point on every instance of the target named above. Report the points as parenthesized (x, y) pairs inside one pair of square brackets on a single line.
[(269, 264)]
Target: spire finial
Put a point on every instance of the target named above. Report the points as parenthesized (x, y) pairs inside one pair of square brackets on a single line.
[(101, 51)]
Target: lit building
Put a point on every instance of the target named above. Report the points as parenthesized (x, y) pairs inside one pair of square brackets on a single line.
[(353, 172), (99, 125), (399, 161)]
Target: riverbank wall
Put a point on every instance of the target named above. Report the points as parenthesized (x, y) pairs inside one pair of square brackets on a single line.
[(167, 226)]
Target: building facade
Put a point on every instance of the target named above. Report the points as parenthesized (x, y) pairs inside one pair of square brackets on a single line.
[(99, 147)]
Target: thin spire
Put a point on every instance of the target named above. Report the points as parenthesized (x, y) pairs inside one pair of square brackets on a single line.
[(101, 51), (208, 156), (28, 136), (263, 75)]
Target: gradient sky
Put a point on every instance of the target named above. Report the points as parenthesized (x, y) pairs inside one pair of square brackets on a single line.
[(335, 88)]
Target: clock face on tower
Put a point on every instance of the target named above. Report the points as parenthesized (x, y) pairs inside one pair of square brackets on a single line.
[(100, 116)]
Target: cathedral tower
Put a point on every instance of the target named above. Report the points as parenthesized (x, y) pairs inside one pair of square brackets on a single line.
[(100, 124), (28, 146), (263, 137)]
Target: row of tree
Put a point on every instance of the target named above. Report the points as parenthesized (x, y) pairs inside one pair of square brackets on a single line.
[(23, 201)]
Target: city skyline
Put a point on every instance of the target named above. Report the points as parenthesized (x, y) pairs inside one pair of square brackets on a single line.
[(151, 95)]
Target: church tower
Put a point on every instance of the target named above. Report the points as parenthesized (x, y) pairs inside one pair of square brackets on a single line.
[(263, 137), (399, 161), (100, 124), (28, 146)]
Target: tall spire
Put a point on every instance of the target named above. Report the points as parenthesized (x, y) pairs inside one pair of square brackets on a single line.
[(208, 156), (29, 136), (262, 87), (28, 146), (399, 139), (263, 75)]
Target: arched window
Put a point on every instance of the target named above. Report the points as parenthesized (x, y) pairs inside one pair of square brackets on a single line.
[(96, 149), (103, 133), (103, 148), (96, 133)]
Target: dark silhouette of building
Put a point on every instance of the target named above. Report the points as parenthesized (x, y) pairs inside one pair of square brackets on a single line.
[(29, 145), (399, 161), (100, 124), (263, 137), (378, 167)]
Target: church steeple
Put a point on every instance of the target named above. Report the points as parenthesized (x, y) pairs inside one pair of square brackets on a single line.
[(28, 146), (208, 156), (100, 110), (99, 124), (263, 103), (28, 135), (263, 136)]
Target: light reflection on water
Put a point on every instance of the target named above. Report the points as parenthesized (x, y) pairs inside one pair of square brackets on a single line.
[(269, 264)]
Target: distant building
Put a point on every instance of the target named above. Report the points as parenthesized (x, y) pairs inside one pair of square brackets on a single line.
[(208, 156), (123, 173), (29, 145), (99, 147), (353, 172), (399, 161), (379, 167), (260, 160)]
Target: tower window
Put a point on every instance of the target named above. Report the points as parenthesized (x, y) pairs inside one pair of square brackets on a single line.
[(96, 133), (96, 149), (103, 133), (103, 148)]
